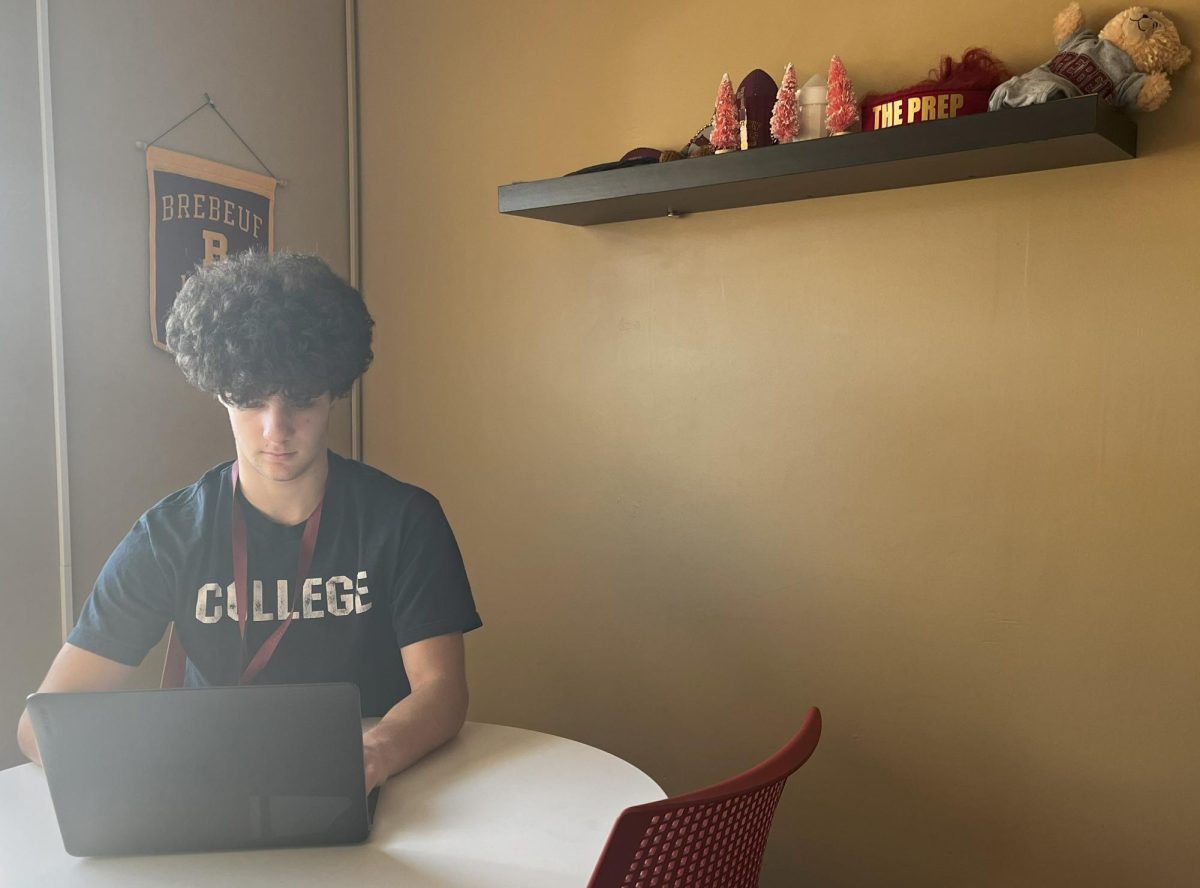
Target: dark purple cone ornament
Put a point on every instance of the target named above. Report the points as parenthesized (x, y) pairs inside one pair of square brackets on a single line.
[(756, 100)]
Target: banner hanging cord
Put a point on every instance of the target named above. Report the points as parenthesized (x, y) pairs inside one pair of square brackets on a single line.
[(209, 103)]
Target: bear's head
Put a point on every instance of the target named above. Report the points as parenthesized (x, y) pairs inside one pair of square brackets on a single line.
[(1150, 38)]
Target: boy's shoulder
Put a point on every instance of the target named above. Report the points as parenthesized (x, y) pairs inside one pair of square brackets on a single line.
[(371, 485), (189, 504)]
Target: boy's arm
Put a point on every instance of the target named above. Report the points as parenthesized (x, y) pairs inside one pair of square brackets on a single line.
[(74, 669), (432, 714)]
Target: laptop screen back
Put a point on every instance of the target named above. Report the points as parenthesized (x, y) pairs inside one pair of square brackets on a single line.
[(143, 772)]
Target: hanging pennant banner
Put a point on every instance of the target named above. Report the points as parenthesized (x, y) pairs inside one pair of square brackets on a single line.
[(200, 212)]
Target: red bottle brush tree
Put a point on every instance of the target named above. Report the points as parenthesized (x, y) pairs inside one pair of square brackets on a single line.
[(783, 117), (842, 111), (725, 135)]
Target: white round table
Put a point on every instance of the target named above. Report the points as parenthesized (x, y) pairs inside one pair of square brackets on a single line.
[(495, 807)]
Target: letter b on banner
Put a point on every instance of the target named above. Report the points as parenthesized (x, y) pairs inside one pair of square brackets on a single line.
[(216, 245)]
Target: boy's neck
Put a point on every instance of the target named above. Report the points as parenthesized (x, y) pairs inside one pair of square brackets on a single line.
[(284, 502)]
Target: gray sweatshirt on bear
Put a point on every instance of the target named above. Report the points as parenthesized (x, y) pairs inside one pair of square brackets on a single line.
[(1085, 64)]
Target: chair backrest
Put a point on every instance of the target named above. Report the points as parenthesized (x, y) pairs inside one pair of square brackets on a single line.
[(711, 838), (174, 663)]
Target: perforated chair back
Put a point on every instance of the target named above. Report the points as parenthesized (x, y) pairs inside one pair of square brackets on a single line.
[(711, 838)]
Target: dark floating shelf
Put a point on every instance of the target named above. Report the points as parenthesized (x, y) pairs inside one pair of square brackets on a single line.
[(1065, 133)]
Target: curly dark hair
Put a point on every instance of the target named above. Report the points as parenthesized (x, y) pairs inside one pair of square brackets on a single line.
[(261, 324)]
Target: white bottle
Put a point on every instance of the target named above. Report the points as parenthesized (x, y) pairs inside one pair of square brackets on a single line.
[(811, 100)]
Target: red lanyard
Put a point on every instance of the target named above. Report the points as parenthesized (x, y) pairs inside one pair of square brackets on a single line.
[(307, 544)]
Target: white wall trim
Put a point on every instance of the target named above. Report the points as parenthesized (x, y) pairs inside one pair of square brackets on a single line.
[(356, 395), (50, 191)]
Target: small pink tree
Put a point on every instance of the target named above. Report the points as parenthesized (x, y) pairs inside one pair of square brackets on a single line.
[(783, 117), (842, 111), (725, 135)]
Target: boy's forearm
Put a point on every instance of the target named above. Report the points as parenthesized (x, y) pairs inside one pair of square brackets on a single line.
[(26, 740), (73, 669), (421, 722)]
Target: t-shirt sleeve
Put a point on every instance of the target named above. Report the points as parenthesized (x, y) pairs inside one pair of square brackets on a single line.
[(1127, 91), (431, 595), (130, 605), (1080, 37)]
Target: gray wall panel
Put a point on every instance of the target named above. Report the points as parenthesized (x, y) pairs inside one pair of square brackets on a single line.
[(29, 597), (125, 70)]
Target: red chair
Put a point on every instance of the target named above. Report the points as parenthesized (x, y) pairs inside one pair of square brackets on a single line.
[(711, 838)]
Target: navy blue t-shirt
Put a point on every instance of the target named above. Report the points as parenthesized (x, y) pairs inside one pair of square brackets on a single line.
[(386, 572)]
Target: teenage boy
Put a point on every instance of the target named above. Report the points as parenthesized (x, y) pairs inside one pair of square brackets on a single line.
[(289, 564)]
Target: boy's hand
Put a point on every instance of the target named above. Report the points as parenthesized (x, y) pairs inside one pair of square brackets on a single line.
[(373, 769)]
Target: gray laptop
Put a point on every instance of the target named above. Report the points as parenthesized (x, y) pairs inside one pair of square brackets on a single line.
[(204, 769)]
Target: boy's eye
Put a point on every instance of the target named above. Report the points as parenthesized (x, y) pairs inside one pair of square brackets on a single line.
[(302, 405)]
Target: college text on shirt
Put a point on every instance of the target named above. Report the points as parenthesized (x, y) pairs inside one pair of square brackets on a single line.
[(338, 596)]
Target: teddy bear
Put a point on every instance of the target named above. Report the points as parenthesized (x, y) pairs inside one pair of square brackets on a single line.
[(1126, 64)]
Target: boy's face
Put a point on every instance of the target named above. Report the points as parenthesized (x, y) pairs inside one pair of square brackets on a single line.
[(280, 440)]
